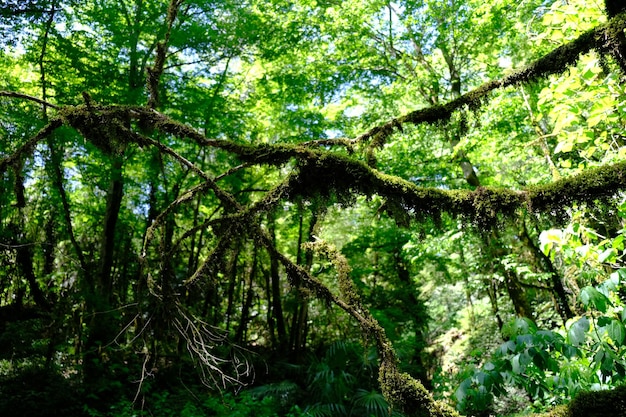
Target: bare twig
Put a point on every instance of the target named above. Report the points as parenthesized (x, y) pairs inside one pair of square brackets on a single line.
[(14, 94)]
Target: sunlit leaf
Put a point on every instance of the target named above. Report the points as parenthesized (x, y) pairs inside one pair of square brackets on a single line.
[(577, 332)]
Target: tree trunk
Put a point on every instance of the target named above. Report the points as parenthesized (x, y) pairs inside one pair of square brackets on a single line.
[(248, 298), (560, 294), (276, 303), (102, 328), (299, 326), (517, 294), (232, 284)]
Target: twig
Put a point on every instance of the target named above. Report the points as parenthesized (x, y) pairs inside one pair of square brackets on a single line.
[(27, 97)]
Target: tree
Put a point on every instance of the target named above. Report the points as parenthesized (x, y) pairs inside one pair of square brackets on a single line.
[(185, 155)]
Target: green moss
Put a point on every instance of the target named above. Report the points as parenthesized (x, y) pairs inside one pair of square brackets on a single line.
[(609, 403), (599, 403), (409, 395), (588, 186), (559, 411), (106, 127)]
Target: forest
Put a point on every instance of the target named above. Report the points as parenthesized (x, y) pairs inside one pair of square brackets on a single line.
[(310, 208)]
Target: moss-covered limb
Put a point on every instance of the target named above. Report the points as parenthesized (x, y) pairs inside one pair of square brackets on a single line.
[(155, 72), (323, 172), (606, 38), (409, 396), (106, 127), (347, 290), (588, 186), (345, 142), (14, 94), (254, 154), (345, 176), (16, 158), (402, 391), (615, 42)]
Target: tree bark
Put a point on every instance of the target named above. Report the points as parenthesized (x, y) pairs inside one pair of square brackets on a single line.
[(276, 304), (102, 329)]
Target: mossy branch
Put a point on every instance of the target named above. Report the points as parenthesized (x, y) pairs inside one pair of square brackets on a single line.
[(606, 39), (156, 71), (344, 176), (322, 172), (403, 392)]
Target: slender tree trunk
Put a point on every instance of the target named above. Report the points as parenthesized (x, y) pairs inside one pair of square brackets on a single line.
[(492, 290), (558, 289), (102, 328), (276, 297), (497, 250), (247, 300), (419, 321), (24, 259), (455, 81), (517, 294), (232, 283), (299, 326)]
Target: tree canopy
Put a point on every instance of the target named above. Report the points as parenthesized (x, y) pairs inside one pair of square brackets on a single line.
[(210, 185)]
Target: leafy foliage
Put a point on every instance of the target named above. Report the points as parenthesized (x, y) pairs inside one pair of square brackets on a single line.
[(585, 354), (192, 187)]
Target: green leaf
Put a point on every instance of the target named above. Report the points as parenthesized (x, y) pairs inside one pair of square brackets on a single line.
[(506, 347), (608, 253), (618, 243), (577, 332), (518, 326), (564, 146), (616, 331), (591, 297), (610, 285), (549, 238), (520, 361)]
